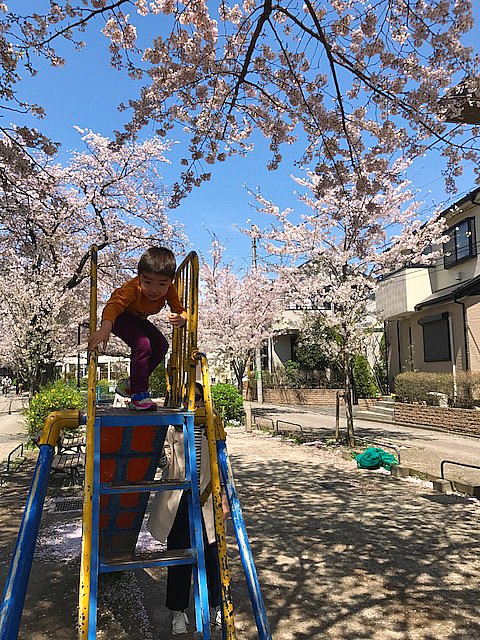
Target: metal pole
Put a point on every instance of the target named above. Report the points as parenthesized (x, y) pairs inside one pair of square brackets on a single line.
[(86, 578), (452, 355), (78, 356), (337, 416), (227, 603), (17, 581), (248, 415), (246, 557), (258, 357), (386, 354)]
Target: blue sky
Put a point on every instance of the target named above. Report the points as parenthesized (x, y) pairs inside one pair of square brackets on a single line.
[(86, 93)]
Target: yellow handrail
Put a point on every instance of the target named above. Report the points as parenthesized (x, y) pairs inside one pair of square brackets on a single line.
[(85, 565), (182, 365), (181, 376), (212, 436), (55, 422)]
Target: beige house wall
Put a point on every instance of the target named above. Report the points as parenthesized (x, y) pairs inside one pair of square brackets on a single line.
[(472, 312), (409, 333)]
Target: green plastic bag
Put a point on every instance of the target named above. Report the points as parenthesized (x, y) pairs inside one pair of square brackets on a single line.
[(374, 458)]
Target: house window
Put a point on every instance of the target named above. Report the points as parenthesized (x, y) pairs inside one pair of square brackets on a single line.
[(462, 244), (436, 338)]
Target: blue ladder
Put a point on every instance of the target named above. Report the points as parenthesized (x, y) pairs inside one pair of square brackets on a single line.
[(127, 448)]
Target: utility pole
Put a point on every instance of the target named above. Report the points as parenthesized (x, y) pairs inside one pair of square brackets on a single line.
[(258, 357)]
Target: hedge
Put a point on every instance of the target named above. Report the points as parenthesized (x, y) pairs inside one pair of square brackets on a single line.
[(418, 386)]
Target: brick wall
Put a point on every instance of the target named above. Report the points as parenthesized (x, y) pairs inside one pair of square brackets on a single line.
[(366, 403), (318, 397), (455, 420)]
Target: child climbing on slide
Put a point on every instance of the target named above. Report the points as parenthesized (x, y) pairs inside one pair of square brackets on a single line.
[(125, 315)]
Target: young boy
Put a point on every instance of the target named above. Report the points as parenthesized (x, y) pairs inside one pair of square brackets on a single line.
[(125, 315)]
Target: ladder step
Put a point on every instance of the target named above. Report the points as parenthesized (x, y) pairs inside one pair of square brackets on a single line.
[(121, 562), (143, 487)]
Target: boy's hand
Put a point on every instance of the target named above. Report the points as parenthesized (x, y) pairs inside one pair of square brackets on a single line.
[(102, 335), (177, 319)]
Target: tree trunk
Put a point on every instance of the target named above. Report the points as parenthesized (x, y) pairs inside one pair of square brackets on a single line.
[(349, 404), (238, 367)]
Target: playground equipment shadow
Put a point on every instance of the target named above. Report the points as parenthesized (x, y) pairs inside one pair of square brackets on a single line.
[(342, 554), (51, 604)]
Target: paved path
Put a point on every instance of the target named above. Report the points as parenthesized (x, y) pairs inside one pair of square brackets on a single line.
[(341, 553), (420, 448), (12, 424)]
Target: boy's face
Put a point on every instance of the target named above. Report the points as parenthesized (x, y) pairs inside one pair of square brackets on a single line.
[(153, 285)]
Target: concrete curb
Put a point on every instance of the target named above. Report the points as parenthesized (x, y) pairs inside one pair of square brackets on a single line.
[(443, 485)]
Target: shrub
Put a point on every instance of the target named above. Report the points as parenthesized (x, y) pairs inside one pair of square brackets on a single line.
[(52, 397), (416, 386), (158, 382), (228, 401), (468, 388), (363, 379)]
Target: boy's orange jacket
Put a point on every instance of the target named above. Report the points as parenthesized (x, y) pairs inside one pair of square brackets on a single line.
[(129, 297)]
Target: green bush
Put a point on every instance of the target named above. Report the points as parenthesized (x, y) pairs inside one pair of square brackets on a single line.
[(468, 388), (158, 382), (363, 379), (52, 397), (228, 401), (104, 385), (415, 386)]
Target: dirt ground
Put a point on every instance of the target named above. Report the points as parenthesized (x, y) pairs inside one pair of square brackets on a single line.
[(341, 554)]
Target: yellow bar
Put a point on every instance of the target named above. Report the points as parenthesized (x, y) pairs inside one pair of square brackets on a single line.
[(56, 421), (85, 576), (181, 368), (217, 505), (181, 377)]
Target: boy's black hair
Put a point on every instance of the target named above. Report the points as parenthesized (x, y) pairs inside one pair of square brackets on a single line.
[(158, 260)]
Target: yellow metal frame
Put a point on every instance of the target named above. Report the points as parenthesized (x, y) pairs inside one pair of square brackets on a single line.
[(181, 377), (181, 369), (212, 434), (85, 577), (55, 422)]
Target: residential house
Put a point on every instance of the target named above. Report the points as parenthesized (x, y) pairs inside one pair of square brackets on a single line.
[(432, 314), (281, 346)]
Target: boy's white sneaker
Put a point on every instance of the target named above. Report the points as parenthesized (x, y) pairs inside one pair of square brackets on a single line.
[(142, 402), (179, 623)]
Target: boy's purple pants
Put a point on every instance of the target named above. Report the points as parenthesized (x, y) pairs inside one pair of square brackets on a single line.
[(148, 346)]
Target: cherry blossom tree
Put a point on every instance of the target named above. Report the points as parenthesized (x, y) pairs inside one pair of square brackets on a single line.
[(293, 71), (336, 248), (357, 85), (49, 218), (236, 313)]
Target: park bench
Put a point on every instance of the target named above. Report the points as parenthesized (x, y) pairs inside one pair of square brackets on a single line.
[(70, 456)]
